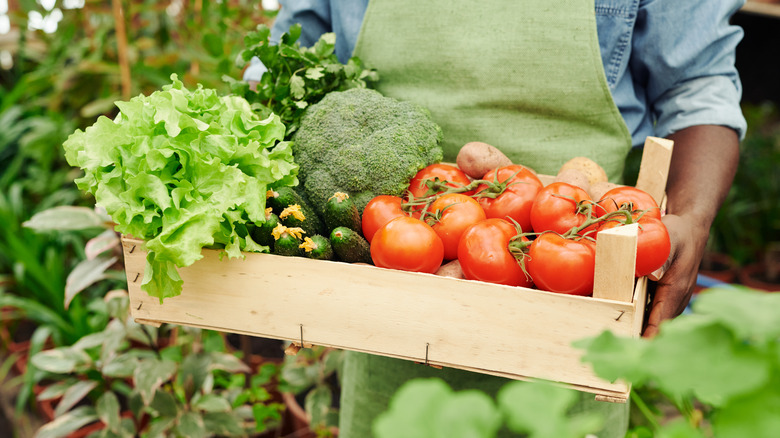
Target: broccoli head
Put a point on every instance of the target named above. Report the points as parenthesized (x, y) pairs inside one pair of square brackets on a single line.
[(363, 143)]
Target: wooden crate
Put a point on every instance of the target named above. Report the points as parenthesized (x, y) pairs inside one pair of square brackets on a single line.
[(501, 330)]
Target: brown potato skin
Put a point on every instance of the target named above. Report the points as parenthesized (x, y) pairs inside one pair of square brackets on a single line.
[(590, 168), (476, 159), (574, 177), (451, 269), (597, 190)]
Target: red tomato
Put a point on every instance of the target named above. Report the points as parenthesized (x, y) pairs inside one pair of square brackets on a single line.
[(515, 202), (652, 245), (484, 254), (454, 213), (562, 265), (630, 199), (407, 244), (558, 208), (445, 172), (379, 211)]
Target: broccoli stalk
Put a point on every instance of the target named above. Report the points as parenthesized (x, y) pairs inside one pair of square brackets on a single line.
[(363, 143)]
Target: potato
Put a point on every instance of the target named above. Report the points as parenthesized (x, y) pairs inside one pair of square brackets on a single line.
[(597, 190), (451, 269), (574, 177), (476, 159), (590, 168)]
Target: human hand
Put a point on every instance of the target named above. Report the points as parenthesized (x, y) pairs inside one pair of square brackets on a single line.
[(677, 278)]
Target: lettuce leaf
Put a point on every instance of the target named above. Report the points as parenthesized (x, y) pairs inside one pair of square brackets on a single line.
[(183, 169)]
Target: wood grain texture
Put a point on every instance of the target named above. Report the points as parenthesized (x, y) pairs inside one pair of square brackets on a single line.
[(654, 168), (616, 263), (508, 331)]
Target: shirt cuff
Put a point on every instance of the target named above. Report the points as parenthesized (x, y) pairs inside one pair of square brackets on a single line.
[(255, 70), (710, 100)]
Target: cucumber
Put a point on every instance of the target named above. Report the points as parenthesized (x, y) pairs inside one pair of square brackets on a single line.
[(284, 198), (263, 233), (350, 246), (287, 241), (341, 211), (317, 247)]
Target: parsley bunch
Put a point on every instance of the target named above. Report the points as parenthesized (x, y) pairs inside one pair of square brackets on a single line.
[(297, 76)]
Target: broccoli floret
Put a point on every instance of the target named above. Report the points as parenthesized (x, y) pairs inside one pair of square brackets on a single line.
[(365, 144)]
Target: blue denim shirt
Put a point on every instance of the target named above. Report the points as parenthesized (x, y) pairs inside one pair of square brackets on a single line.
[(669, 63)]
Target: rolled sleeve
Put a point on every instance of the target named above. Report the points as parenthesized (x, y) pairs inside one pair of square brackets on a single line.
[(685, 53), (711, 100)]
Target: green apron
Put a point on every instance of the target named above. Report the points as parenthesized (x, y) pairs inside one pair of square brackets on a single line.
[(525, 76)]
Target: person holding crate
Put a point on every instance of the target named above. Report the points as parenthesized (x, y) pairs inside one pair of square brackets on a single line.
[(546, 81)]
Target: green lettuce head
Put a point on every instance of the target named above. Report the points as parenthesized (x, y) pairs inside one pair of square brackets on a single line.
[(182, 170)]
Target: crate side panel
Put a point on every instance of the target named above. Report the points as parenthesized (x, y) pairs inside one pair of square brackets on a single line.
[(463, 324)]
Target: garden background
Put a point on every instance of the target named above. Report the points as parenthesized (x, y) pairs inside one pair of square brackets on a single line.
[(64, 63)]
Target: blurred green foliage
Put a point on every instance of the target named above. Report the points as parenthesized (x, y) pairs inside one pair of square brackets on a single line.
[(64, 80), (749, 219)]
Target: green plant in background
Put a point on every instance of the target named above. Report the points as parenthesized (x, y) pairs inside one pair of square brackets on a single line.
[(190, 387), (62, 81), (717, 369), (47, 292), (312, 374), (749, 220), (429, 408), (719, 365)]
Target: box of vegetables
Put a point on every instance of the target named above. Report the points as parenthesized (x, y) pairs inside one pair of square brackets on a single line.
[(343, 228)]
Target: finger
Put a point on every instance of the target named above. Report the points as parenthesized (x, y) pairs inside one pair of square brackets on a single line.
[(659, 273)]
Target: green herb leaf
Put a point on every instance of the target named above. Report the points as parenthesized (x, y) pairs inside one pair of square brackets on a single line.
[(282, 89)]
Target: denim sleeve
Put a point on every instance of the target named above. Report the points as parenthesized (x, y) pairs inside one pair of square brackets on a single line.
[(685, 53), (313, 16)]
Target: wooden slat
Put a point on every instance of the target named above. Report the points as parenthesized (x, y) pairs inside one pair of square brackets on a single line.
[(616, 263), (501, 330), (654, 169)]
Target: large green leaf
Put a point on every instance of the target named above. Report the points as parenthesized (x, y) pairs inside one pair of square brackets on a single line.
[(61, 360), (107, 408), (74, 395), (467, 414), (411, 410), (62, 426), (85, 274), (541, 409), (223, 424), (697, 356), (191, 425), (150, 375), (317, 405), (753, 415), (65, 218), (751, 314), (212, 403), (165, 404)]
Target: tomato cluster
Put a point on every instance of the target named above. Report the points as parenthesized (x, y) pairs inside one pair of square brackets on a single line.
[(508, 228)]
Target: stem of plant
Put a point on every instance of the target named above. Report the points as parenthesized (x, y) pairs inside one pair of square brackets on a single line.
[(645, 410)]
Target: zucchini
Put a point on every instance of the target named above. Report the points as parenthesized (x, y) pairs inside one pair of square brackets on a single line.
[(263, 233), (317, 247), (341, 211), (287, 241), (350, 246), (283, 201)]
